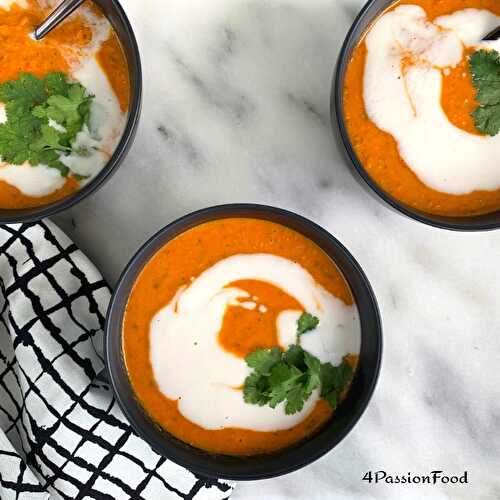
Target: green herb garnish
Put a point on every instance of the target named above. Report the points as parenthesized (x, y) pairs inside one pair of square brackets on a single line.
[(485, 69), (293, 375), (263, 360), (306, 323), (334, 380), (44, 117)]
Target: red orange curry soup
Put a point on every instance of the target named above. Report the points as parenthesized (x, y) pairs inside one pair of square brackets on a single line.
[(180, 265), (378, 150), (58, 52)]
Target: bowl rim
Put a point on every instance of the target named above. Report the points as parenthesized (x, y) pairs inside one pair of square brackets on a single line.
[(12, 216), (338, 117), (184, 223)]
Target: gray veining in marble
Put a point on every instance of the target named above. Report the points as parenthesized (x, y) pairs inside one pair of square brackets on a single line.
[(236, 108)]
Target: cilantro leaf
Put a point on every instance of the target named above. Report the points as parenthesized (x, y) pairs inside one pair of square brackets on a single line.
[(330, 378), (262, 360), (331, 399), (14, 148), (296, 398), (487, 119), (485, 70), (335, 377), (50, 139), (71, 111), (314, 369), (63, 107), (30, 104), (282, 379), (274, 381), (254, 391), (334, 381), (295, 356), (306, 323), (292, 376), (484, 64), (280, 375), (28, 89), (312, 363), (56, 83), (47, 113)]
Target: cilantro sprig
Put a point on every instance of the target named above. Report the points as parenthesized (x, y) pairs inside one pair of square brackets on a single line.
[(306, 323), (485, 70), (44, 117), (293, 375)]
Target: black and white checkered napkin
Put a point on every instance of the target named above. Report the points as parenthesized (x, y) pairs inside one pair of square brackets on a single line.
[(61, 433)]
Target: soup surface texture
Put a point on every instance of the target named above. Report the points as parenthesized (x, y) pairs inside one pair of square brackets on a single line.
[(209, 297), (408, 99), (86, 50)]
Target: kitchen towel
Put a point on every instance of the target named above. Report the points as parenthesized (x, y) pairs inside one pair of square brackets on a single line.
[(62, 435)]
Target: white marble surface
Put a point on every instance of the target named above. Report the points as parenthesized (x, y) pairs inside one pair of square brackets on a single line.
[(236, 108)]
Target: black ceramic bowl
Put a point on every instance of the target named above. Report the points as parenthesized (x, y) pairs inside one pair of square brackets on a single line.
[(367, 15), (116, 16), (260, 466)]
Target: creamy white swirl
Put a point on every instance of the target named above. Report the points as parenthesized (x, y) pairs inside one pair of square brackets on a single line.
[(189, 363), (406, 102)]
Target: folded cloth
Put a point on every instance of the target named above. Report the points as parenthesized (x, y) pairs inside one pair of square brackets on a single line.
[(62, 435)]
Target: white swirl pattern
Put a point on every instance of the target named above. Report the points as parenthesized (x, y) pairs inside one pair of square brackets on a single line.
[(187, 329)]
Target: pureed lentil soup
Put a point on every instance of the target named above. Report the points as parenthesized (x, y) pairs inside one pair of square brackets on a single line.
[(207, 299), (408, 99), (67, 146)]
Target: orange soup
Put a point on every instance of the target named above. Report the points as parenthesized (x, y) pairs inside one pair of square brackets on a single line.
[(409, 100), (80, 63), (209, 298)]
